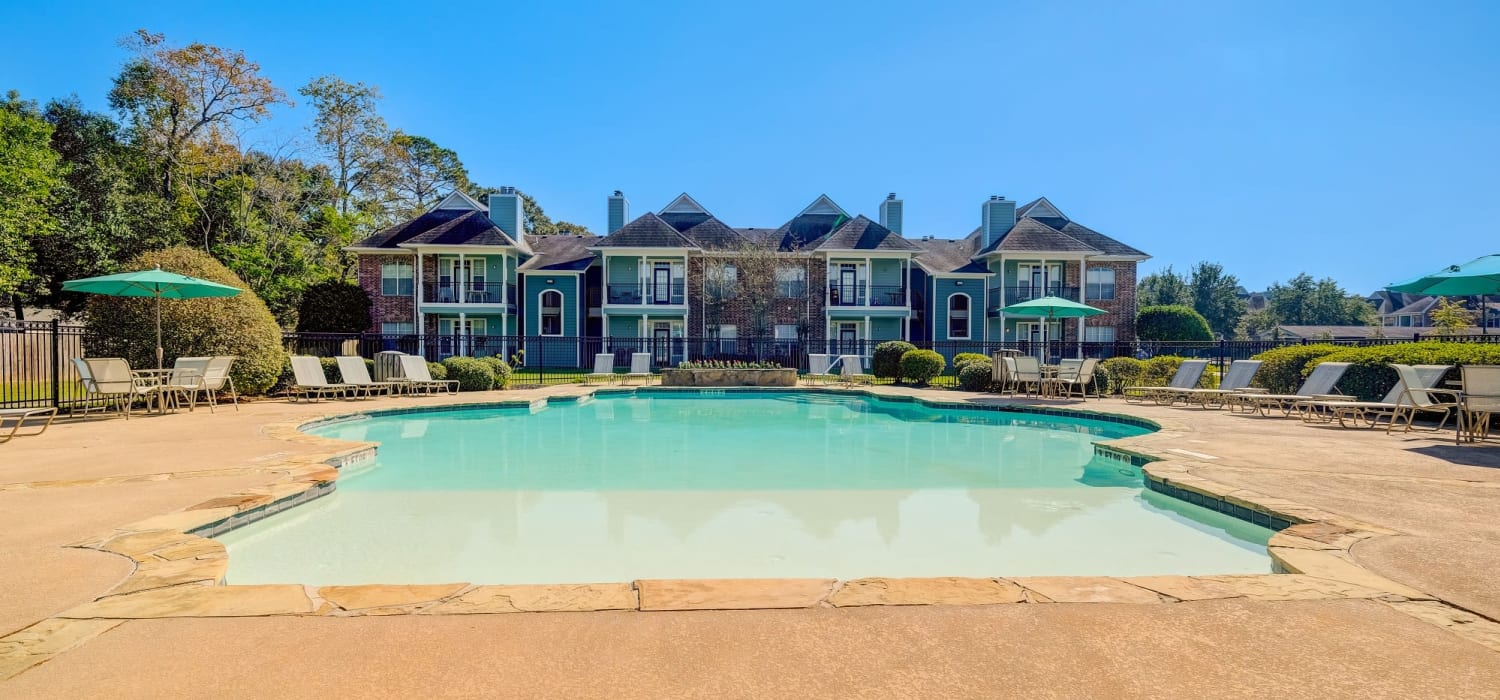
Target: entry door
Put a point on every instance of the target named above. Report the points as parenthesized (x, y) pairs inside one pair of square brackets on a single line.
[(848, 285), (849, 339), (465, 337), (661, 283), (661, 343)]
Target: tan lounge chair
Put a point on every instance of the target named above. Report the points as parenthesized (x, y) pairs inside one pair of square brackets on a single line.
[(20, 416), (640, 367), (353, 371), (604, 369), (820, 368), (852, 371), (1319, 385), (1415, 401), (1236, 380), (1187, 377), (1368, 413), (311, 384), (416, 376)]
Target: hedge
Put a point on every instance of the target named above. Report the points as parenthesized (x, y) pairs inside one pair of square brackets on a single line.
[(472, 374), (239, 325), (1283, 369), (1171, 322), (1370, 376), (1121, 372), (921, 366), (501, 369), (975, 375), (887, 361), (964, 358)]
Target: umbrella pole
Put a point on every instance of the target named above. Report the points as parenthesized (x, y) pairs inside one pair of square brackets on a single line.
[(158, 331)]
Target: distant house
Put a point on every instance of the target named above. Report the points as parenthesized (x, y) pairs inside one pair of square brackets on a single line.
[(1401, 310), (1315, 333)]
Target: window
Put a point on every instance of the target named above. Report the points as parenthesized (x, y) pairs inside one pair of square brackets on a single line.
[(395, 279), (552, 320), (786, 331), (958, 316), (1101, 284), (1098, 334), (791, 282), (728, 336), (720, 279), (391, 328)]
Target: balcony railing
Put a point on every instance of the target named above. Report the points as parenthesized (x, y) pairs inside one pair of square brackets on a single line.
[(473, 293), (866, 295), (1016, 295), (648, 294)]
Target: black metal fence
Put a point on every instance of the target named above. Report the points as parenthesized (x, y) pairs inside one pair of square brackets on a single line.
[(36, 364)]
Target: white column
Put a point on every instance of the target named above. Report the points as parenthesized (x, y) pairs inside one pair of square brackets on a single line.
[(868, 336), (1083, 286), (461, 278), (463, 334), (869, 285), (416, 295)]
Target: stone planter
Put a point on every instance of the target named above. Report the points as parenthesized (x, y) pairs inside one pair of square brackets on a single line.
[(729, 377)]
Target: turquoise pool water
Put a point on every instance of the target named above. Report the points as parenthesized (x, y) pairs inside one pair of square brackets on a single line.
[(741, 485)]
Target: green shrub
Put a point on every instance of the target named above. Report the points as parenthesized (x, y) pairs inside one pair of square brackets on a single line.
[(887, 362), (1370, 376), (501, 369), (437, 370), (334, 306), (1171, 322), (1158, 370), (964, 358), (331, 370), (976, 375), (921, 366), (1121, 372), (472, 374), (240, 325), (1283, 369), (1101, 383)]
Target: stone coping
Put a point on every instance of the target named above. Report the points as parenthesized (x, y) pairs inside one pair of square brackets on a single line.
[(179, 571)]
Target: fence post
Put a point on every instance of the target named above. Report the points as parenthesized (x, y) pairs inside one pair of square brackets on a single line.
[(56, 364)]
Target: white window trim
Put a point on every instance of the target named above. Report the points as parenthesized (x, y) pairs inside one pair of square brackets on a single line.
[(968, 320), (542, 313), (410, 275)]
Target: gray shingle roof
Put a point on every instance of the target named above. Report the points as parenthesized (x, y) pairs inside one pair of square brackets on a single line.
[(803, 231), (860, 233), (470, 228), (943, 255), (560, 253), (1099, 241), (646, 231), (1030, 235), (712, 234)]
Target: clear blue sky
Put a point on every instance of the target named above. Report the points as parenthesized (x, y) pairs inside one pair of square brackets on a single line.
[(1358, 140)]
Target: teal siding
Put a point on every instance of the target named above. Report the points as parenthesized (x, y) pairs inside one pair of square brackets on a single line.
[(886, 272), (885, 329), (624, 326), (943, 289), (623, 270), (556, 353)]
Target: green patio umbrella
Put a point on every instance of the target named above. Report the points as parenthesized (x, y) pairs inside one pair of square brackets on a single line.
[(1051, 307), (151, 283), (1479, 277)]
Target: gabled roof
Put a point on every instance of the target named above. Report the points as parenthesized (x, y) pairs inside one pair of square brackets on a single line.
[(559, 253), (441, 227), (805, 229), (459, 200), (946, 255), (1030, 235), (860, 233), (1420, 306), (646, 231), (684, 204), (1099, 241), (823, 205), (1040, 208), (712, 234)]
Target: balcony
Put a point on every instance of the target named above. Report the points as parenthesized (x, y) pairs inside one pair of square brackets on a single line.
[(475, 293), (1016, 295), (648, 294), (882, 295)]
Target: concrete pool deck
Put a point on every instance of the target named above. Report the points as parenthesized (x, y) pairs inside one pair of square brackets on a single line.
[(1397, 597)]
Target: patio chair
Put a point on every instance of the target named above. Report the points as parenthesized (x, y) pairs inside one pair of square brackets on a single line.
[(1319, 385), (416, 376), (20, 416), (1077, 377), (185, 381), (852, 370), (353, 371), (1189, 373), (1369, 413), (310, 382), (1003, 372), (1415, 400), (640, 367), (89, 389), (217, 378), (113, 382), (604, 369), (1236, 380), (1481, 399), (1028, 374)]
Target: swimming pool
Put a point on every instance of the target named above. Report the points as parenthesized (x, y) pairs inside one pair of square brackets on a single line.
[(739, 485)]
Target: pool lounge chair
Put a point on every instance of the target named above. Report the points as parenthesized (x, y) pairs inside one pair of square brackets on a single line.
[(1415, 401), (20, 416), (353, 371), (852, 371), (1481, 400), (1236, 380), (416, 377), (1319, 385), (640, 367), (310, 382), (820, 368), (1189, 373), (1368, 413), (604, 369)]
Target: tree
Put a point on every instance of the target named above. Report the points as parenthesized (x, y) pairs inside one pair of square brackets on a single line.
[(1172, 323), (179, 98), (1216, 297), (419, 173), (1165, 288), (539, 224), (349, 132), (29, 174), (334, 306), (1452, 317), (1305, 302), (1255, 323)]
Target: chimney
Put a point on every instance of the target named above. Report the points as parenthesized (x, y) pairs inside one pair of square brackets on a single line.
[(507, 213), (890, 213), (998, 216), (619, 211)]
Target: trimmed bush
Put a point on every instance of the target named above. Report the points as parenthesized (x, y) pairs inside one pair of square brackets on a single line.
[(1121, 372), (887, 362), (501, 369), (334, 306), (437, 370), (921, 366), (1171, 322), (1101, 385), (330, 369), (976, 375), (472, 374), (1369, 376), (1283, 369), (240, 325), (964, 358)]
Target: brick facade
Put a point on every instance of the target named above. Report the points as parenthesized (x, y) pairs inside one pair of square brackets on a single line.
[(737, 313), (1120, 311), (384, 309)]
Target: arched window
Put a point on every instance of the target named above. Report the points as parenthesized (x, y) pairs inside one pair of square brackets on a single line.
[(552, 316), (958, 316)]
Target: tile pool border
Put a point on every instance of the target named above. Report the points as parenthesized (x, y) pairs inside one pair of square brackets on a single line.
[(179, 571)]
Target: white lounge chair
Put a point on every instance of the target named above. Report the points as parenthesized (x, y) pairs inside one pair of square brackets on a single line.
[(20, 416), (1369, 413), (1319, 385), (1481, 400), (852, 370), (1236, 380), (353, 371), (604, 369), (112, 381), (416, 377), (1415, 401), (820, 368), (1188, 374), (310, 382), (640, 367)]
